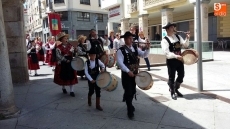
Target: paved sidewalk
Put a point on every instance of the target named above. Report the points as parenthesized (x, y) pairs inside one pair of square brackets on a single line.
[(43, 106), (216, 75)]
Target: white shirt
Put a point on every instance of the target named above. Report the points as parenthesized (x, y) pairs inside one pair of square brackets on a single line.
[(118, 43), (173, 39), (92, 65), (120, 57)]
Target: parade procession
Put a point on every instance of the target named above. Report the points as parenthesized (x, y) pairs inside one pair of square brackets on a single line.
[(114, 64)]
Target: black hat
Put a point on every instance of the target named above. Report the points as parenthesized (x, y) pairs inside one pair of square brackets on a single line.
[(92, 51), (127, 34), (168, 25)]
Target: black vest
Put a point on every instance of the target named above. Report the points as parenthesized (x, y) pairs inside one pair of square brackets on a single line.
[(174, 47), (83, 50), (97, 45), (95, 71), (131, 63), (33, 55)]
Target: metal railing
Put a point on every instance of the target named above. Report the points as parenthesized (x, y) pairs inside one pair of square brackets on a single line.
[(132, 8)]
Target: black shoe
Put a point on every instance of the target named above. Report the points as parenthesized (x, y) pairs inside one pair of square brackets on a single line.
[(173, 96), (179, 94), (36, 74), (149, 69), (130, 115), (72, 94), (44, 64), (64, 91)]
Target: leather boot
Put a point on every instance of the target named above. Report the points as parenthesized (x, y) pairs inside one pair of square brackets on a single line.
[(177, 86), (98, 107), (89, 101)]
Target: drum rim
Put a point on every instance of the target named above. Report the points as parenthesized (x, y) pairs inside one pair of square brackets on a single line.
[(116, 84), (147, 73), (73, 60), (108, 83)]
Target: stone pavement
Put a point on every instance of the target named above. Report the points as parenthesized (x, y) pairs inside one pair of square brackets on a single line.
[(43, 106), (216, 75)]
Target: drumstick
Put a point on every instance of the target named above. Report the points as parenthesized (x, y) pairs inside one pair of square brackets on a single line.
[(100, 79), (140, 76)]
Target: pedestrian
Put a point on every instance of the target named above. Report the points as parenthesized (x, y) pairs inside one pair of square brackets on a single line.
[(32, 57), (50, 52), (143, 39), (127, 58), (64, 74), (41, 54), (117, 43), (92, 66), (171, 45)]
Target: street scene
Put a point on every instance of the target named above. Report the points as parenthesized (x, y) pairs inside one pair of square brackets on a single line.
[(122, 64)]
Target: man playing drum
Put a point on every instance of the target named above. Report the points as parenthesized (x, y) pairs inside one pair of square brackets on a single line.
[(128, 61), (171, 45), (92, 71)]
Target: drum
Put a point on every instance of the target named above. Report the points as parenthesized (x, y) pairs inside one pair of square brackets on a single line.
[(78, 63), (144, 80), (111, 61), (104, 59), (107, 81), (190, 56)]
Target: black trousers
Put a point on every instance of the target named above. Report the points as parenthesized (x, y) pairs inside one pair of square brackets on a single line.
[(174, 66), (93, 87), (129, 86)]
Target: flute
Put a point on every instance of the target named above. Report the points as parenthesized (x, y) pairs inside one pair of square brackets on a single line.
[(182, 32)]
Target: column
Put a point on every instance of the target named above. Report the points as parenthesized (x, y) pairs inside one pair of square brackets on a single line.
[(7, 104), (204, 20), (124, 25), (15, 36), (143, 24), (166, 16), (109, 26)]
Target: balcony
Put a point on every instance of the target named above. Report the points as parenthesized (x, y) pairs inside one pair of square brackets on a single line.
[(107, 4), (149, 4), (132, 8)]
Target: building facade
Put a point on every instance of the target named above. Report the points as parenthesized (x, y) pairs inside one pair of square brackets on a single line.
[(151, 15), (77, 17)]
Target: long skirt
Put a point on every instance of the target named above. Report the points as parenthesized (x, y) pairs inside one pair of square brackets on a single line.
[(41, 57), (31, 65), (65, 75)]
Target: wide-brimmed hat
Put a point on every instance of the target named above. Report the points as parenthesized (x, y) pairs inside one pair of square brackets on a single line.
[(62, 34), (168, 25), (127, 34), (81, 37)]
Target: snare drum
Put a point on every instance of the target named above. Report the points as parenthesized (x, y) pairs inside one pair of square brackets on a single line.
[(104, 59), (107, 81), (78, 63), (111, 61), (144, 80), (190, 56)]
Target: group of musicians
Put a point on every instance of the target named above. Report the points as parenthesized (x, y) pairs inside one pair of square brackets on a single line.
[(127, 56)]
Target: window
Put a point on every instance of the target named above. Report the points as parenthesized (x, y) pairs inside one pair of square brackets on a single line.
[(64, 15), (58, 1), (99, 2), (87, 2), (83, 16), (99, 17)]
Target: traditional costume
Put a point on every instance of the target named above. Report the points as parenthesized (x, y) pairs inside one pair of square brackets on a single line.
[(40, 54), (64, 74), (127, 58), (50, 53), (32, 58), (171, 46), (91, 72)]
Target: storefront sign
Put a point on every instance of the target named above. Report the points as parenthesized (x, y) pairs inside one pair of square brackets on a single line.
[(114, 11), (220, 9)]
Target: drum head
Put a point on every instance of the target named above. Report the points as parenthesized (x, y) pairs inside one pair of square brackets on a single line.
[(104, 59), (144, 80), (189, 57), (78, 63), (111, 61), (103, 79), (113, 85)]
